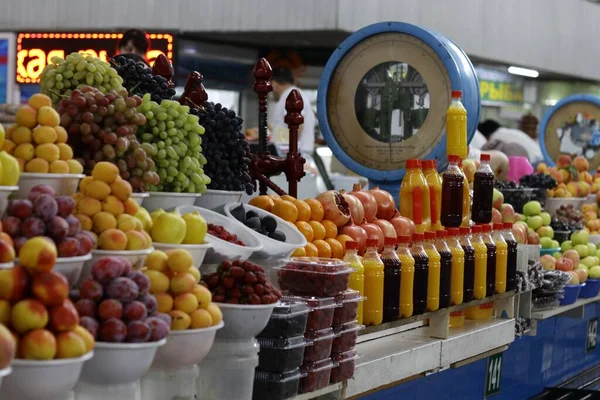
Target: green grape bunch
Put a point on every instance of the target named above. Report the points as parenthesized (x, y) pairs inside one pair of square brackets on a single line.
[(62, 76), (172, 138)]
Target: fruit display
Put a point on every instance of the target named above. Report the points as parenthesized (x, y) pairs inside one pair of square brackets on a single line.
[(515, 195), (7, 247), (590, 218), (102, 127), (219, 232), (346, 336), (43, 213), (63, 76), (173, 228), (348, 310), (175, 283), (345, 365), (572, 176), (36, 307), (138, 79), (8, 346), (311, 276), (275, 386), (538, 224), (173, 139), (541, 183), (289, 319), (116, 304), (265, 225), (567, 218), (317, 375), (225, 147), (38, 142), (282, 354), (578, 256), (241, 282), (104, 206), (321, 345), (321, 313)]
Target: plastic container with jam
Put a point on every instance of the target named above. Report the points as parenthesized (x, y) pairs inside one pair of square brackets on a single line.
[(348, 303), (317, 376), (345, 337), (287, 320), (321, 311), (276, 386), (314, 276), (281, 355), (345, 364), (321, 345)]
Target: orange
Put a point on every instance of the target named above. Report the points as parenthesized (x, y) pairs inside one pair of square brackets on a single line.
[(331, 229), (285, 210), (323, 248), (305, 229), (299, 252), (343, 239), (319, 231), (337, 250), (304, 211), (263, 202), (275, 197), (316, 209), (311, 250), (289, 198)]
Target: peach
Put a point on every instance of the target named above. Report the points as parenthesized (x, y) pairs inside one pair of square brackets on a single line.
[(105, 171), (7, 251), (185, 302), (85, 221), (86, 336), (39, 344), (180, 321), (564, 161), (203, 296), (556, 175), (48, 116), (136, 240), (164, 301), (51, 288), (13, 283), (496, 216), (7, 347), (26, 116), (6, 238), (22, 135), (182, 283), (584, 189), (574, 189), (89, 206), (469, 169), (103, 221), (127, 222), (38, 254), (27, 315), (498, 199), (131, 207), (157, 260), (26, 151), (159, 282), (585, 176), (215, 313), (179, 260), (64, 317), (121, 189), (508, 213), (97, 190), (69, 345), (112, 239), (113, 205), (542, 168), (4, 313), (581, 163)]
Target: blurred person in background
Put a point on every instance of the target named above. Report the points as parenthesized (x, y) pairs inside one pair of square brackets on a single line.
[(494, 132), (134, 41)]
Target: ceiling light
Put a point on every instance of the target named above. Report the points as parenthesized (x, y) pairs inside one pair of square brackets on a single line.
[(531, 73)]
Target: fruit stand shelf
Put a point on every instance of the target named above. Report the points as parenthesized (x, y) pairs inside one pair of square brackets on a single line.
[(331, 389), (575, 310)]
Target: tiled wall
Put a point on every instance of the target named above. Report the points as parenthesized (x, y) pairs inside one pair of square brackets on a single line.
[(530, 364)]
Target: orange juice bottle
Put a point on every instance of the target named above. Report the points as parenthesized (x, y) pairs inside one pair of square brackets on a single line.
[(479, 285), (434, 181), (373, 307), (445, 268), (456, 127), (421, 274), (501, 258), (407, 276), (458, 266), (357, 276), (433, 279), (414, 196)]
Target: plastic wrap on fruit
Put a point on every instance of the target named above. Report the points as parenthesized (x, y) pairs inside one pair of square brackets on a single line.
[(164, 68)]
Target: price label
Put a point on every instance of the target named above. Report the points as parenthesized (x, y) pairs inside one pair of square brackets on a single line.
[(591, 339), (493, 374)]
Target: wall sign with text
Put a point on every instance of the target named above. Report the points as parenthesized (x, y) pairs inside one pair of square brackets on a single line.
[(35, 50)]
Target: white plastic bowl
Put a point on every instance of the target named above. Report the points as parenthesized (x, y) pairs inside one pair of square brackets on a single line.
[(136, 257), (139, 197), (554, 203), (5, 192), (119, 363), (70, 267), (63, 184), (185, 348), (221, 249), (590, 199), (272, 249), (197, 251), (212, 199), (4, 372), (35, 380), (7, 265), (243, 322), (167, 200)]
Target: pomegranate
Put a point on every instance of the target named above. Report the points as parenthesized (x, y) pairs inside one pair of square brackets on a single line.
[(336, 207), (374, 232), (368, 202), (357, 234), (386, 207), (404, 226), (357, 212), (386, 227)]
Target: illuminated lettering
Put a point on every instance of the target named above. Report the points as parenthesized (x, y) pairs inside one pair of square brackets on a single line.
[(55, 53), (89, 52), (484, 88), (36, 64), (21, 70), (103, 55), (151, 55)]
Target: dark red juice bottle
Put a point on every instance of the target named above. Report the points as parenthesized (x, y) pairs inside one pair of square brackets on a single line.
[(483, 192), (445, 268), (452, 194), (511, 265), (469, 276), (421, 274), (490, 278), (391, 281)]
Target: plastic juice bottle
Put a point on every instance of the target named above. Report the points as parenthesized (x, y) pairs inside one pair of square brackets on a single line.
[(445, 268), (490, 275), (433, 278), (483, 192), (373, 305), (452, 194), (511, 264), (421, 274), (391, 280), (434, 181), (466, 210), (501, 258), (414, 196), (458, 266), (469, 277), (456, 127), (407, 276), (357, 276), (457, 319), (479, 285)]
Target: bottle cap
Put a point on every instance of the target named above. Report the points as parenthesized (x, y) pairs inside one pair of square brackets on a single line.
[(417, 237), (372, 243), (465, 231), (486, 228), (453, 158), (389, 241), (456, 94), (429, 235), (485, 157), (413, 163), (403, 239), (351, 245), (498, 226), (508, 225), (429, 164), (453, 231), (476, 229), (441, 234)]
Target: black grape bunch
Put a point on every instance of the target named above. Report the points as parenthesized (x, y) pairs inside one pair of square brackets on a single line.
[(138, 79)]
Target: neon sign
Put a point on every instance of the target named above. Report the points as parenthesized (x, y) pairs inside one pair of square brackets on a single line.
[(35, 50)]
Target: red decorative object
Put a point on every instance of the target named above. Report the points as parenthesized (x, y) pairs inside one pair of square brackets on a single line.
[(163, 67), (194, 94)]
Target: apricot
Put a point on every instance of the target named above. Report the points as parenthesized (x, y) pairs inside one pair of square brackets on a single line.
[(215, 313), (8, 146), (37, 165), (203, 295), (39, 100), (164, 302), (180, 321), (75, 167), (64, 317), (103, 221), (180, 260), (159, 282), (105, 171), (182, 283), (201, 319), (39, 344), (69, 345), (65, 151), (113, 205), (195, 272), (26, 151), (47, 151), (131, 207), (126, 222), (89, 206), (59, 167), (85, 221), (61, 134), (48, 116), (121, 189), (136, 240), (97, 189), (157, 260), (27, 116), (112, 239), (185, 302), (21, 135), (43, 134), (38, 254)]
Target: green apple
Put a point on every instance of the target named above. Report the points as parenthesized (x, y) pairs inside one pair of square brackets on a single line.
[(546, 219), (566, 245), (532, 208), (594, 272), (592, 248), (555, 244), (523, 217), (546, 242), (582, 266), (545, 231), (557, 255), (598, 253), (534, 222), (588, 261), (596, 259), (582, 250), (580, 237)]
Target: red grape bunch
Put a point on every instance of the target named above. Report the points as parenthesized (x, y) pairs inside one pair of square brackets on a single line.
[(103, 127)]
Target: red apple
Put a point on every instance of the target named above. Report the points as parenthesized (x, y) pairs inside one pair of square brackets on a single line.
[(564, 264), (572, 255)]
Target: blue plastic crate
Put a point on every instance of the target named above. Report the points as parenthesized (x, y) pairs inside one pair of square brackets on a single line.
[(591, 289)]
